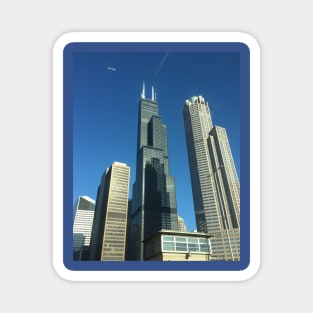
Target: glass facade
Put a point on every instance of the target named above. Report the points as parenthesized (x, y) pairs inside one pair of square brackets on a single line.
[(185, 244), (154, 193)]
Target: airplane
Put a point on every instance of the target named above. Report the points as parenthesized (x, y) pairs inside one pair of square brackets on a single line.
[(111, 68)]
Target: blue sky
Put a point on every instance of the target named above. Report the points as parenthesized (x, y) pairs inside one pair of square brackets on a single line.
[(105, 111)]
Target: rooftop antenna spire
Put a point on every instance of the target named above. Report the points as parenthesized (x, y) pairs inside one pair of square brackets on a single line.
[(152, 94), (143, 91)]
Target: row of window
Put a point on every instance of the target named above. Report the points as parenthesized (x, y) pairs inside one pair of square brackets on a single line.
[(185, 244)]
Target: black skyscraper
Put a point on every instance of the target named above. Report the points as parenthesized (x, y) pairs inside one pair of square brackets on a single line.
[(154, 195)]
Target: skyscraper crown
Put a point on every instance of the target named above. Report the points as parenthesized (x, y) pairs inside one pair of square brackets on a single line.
[(195, 99), (143, 93)]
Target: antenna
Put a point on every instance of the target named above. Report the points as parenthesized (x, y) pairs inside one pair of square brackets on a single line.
[(143, 90)]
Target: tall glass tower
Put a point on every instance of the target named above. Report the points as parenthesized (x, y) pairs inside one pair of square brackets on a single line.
[(154, 195), (214, 180)]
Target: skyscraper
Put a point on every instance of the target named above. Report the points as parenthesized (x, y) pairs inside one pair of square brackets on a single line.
[(214, 181), (154, 193), (84, 209), (181, 224), (108, 241)]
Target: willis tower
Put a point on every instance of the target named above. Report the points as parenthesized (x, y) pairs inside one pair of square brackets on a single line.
[(154, 193)]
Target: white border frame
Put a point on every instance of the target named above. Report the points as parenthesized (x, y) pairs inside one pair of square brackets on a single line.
[(254, 156)]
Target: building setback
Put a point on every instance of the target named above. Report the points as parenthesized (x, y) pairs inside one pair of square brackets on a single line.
[(84, 209), (154, 192), (108, 241), (214, 180)]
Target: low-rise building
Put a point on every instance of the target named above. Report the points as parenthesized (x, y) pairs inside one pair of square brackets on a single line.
[(171, 245)]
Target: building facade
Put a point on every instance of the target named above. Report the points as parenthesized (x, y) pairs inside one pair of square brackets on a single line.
[(168, 245), (108, 241), (84, 209), (214, 180), (181, 224), (154, 192)]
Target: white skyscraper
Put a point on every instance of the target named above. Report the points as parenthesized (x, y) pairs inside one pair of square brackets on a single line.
[(215, 185), (181, 224), (83, 220)]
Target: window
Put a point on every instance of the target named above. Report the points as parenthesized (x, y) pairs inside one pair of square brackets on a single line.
[(168, 238), (168, 246), (180, 246)]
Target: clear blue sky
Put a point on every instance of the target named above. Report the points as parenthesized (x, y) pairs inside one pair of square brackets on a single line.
[(105, 111)]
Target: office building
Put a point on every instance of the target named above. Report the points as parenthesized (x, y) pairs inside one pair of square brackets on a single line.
[(214, 181), (181, 224), (108, 241), (84, 209), (154, 194)]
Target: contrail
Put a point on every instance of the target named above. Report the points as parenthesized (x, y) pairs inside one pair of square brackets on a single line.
[(160, 65)]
